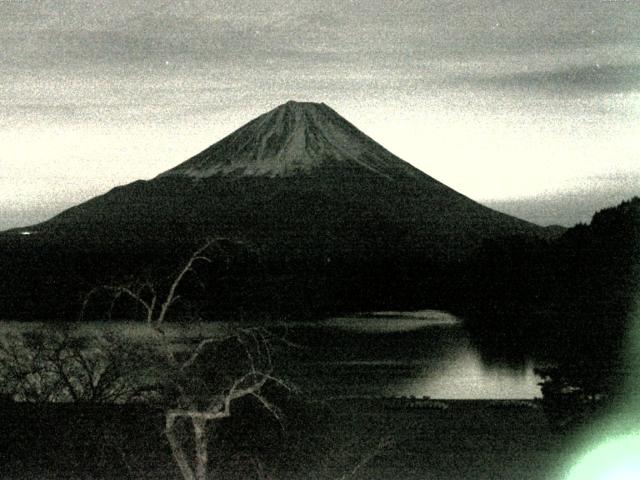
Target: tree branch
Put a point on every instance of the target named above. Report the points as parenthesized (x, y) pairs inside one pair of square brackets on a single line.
[(171, 296)]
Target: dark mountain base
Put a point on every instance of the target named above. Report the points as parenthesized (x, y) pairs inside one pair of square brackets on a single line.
[(51, 282)]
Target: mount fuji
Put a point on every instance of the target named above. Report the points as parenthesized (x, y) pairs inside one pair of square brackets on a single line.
[(304, 189)]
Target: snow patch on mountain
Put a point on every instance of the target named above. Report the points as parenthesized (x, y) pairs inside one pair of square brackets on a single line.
[(296, 138)]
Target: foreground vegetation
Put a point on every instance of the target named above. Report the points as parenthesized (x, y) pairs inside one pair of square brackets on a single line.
[(340, 439)]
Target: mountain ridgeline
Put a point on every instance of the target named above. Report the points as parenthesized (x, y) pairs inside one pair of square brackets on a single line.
[(314, 214), (299, 182)]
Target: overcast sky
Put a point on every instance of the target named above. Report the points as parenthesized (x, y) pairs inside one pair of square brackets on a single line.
[(532, 106)]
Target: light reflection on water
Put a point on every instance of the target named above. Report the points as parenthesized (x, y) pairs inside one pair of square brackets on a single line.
[(392, 322), (466, 377), (426, 353)]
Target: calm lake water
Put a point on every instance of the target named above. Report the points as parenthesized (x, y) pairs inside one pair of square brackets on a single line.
[(426, 353)]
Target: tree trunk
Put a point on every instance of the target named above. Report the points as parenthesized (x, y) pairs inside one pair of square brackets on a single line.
[(176, 449), (202, 457)]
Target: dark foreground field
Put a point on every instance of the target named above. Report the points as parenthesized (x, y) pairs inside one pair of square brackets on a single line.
[(339, 439)]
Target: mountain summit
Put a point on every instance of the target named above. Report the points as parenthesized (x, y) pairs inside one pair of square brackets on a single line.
[(296, 138)]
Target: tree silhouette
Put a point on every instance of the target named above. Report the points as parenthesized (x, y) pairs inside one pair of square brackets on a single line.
[(203, 377), (59, 364)]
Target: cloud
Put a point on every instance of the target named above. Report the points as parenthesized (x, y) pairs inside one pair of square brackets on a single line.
[(418, 75), (593, 78), (145, 38), (571, 207), (45, 33)]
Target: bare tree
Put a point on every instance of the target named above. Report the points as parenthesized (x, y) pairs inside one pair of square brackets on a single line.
[(198, 379), (201, 396), (58, 364)]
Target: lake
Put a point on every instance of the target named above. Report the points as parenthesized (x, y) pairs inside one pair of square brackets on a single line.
[(425, 353)]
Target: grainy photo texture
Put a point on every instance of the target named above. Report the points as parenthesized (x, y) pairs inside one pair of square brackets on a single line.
[(337, 240)]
